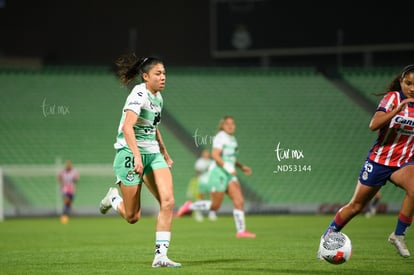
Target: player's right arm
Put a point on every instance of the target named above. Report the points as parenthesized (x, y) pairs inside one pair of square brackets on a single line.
[(129, 134), (382, 118)]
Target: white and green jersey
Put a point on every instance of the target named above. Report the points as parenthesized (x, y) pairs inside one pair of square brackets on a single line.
[(201, 166), (228, 146), (148, 108)]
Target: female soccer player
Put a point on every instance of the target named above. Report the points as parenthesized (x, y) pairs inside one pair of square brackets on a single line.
[(140, 152), (222, 178), (68, 179), (198, 187), (390, 158)]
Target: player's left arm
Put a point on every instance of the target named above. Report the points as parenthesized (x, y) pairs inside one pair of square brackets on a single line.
[(163, 149), (246, 169)]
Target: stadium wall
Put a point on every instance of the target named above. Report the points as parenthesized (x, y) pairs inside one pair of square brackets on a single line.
[(96, 32)]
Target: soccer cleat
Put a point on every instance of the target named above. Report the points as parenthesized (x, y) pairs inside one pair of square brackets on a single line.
[(106, 201), (64, 219), (245, 234), (399, 242), (212, 216), (184, 209), (163, 261)]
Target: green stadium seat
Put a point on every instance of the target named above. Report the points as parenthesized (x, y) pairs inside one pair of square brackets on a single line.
[(73, 113)]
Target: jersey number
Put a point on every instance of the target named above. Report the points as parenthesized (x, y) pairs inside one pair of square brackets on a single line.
[(129, 162)]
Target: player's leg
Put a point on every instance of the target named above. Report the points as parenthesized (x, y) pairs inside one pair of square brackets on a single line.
[(376, 200), (130, 185), (403, 178), (217, 182), (202, 190), (211, 205), (67, 201), (212, 214), (235, 193), (362, 196), (217, 186), (195, 194), (159, 182), (216, 200), (373, 205), (371, 178), (129, 207)]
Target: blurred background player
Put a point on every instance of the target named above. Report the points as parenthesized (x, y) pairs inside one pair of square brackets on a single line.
[(198, 186), (389, 159), (222, 178), (68, 177), (373, 205), (141, 156)]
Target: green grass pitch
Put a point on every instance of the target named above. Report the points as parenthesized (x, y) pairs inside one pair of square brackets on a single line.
[(285, 244)]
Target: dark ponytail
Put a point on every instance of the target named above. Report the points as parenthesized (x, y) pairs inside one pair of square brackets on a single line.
[(131, 66), (395, 84)]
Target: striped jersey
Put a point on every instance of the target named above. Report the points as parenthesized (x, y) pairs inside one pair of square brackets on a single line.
[(394, 145), (148, 108), (68, 179), (228, 146)]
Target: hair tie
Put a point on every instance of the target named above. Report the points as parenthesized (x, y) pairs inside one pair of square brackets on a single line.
[(142, 63)]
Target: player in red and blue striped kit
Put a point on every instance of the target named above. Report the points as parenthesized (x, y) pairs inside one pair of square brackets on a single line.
[(68, 179), (390, 159)]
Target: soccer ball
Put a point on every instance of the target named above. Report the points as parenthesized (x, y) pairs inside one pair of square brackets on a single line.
[(336, 248)]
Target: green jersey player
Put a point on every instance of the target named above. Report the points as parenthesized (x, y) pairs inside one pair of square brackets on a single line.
[(141, 156), (222, 178)]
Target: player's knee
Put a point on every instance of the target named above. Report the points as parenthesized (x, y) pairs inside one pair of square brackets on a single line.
[(215, 206), (168, 203), (133, 218)]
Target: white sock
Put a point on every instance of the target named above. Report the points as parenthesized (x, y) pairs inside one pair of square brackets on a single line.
[(200, 205), (115, 201), (239, 220), (162, 242)]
